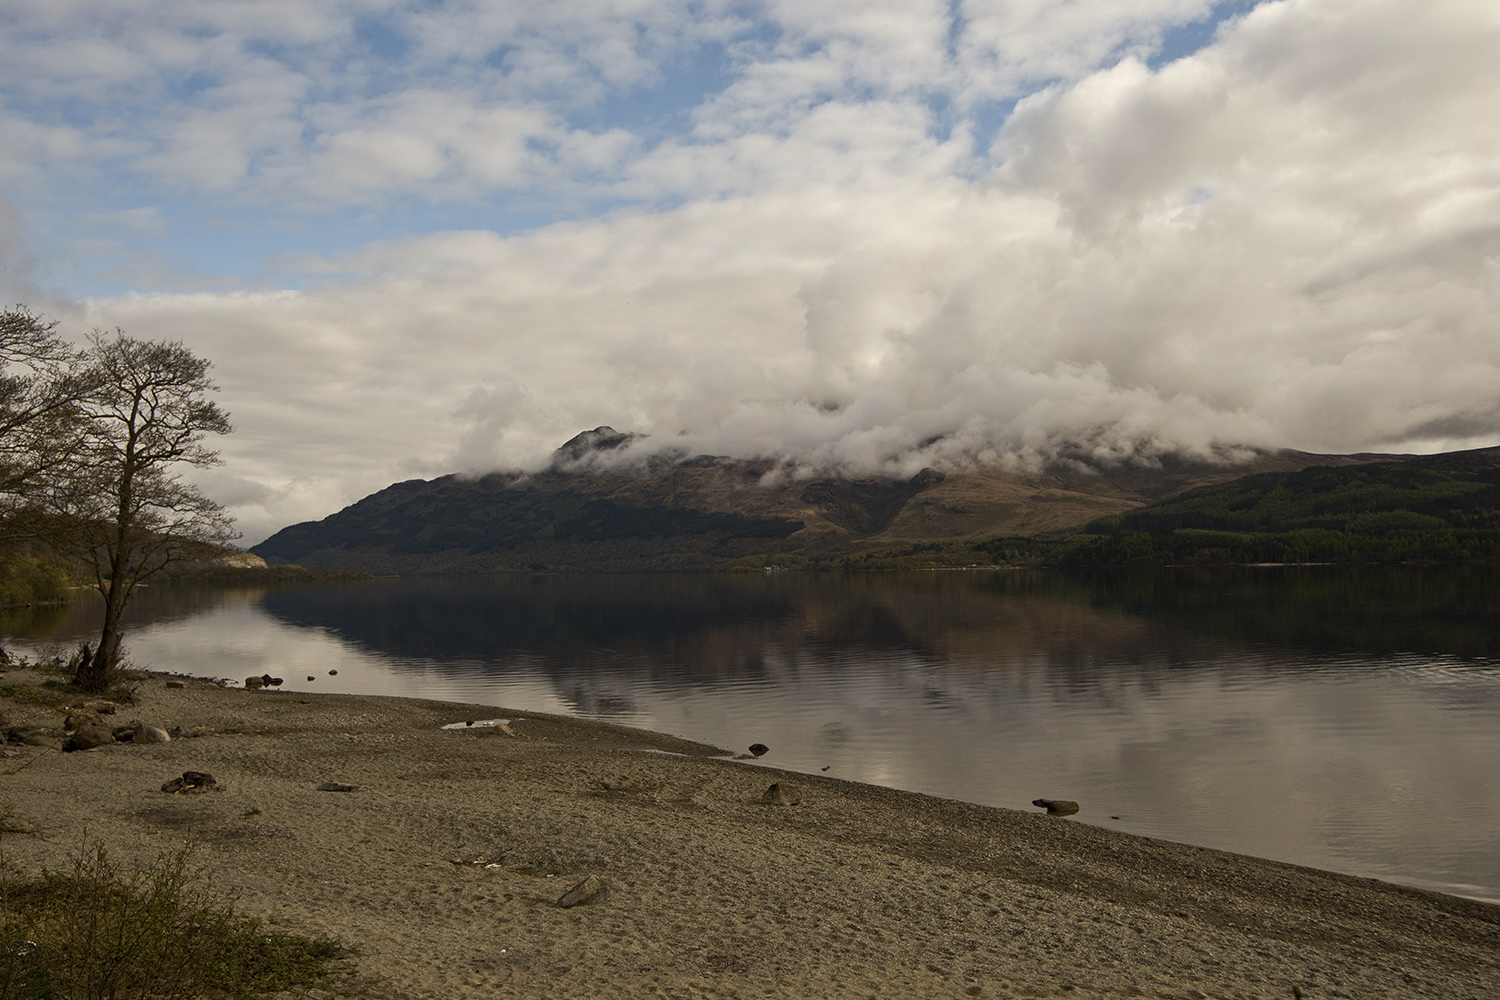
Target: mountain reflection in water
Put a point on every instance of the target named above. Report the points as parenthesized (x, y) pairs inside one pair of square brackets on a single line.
[(1335, 717)]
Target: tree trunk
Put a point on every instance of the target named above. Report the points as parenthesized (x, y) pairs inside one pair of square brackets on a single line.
[(94, 673)]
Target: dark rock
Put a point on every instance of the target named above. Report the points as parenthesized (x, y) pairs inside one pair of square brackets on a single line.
[(192, 732), (336, 786), (253, 683), (272, 681), (192, 781), (782, 793), (333, 673), (76, 719), (591, 890), (1056, 807), (176, 684), (100, 707), (311, 677), (90, 735), (124, 734), (759, 749)]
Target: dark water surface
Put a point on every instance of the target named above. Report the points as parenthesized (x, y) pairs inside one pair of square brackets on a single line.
[(1346, 719)]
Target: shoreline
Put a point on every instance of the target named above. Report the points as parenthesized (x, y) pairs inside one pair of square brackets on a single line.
[(443, 866)]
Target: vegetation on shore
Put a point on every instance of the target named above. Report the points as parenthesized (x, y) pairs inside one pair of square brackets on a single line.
[(103, 932), (219, 574), (30, 579)]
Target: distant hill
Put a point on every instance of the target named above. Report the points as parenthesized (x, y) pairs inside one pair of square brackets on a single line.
[(1417, 508), (713, 512)]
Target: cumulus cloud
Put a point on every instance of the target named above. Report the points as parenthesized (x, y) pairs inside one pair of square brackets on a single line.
[(1290, 237)]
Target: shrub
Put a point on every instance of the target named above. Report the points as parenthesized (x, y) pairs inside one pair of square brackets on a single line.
[(98, 933)]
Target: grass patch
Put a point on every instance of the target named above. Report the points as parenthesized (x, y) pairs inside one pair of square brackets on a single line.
[(99, 932), (27, 695)]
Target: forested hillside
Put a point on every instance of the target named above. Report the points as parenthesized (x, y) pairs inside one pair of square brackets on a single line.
[(1426, 508)]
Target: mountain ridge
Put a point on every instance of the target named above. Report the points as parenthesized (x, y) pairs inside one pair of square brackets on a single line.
[(588, 511)]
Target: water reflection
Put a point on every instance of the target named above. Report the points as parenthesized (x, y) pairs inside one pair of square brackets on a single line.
[(1340, 718)]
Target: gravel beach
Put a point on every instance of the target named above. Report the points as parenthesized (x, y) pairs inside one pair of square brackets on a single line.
[(443, 865)]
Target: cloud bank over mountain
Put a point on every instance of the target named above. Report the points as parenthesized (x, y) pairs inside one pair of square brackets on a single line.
[(426, 238)]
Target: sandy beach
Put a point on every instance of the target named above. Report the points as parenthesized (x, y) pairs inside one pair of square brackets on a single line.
[(443, 866)]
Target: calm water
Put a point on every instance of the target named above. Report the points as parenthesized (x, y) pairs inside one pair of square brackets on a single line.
[(1344, 719)]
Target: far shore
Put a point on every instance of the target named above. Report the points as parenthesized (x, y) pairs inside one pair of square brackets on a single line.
[(443, 864)]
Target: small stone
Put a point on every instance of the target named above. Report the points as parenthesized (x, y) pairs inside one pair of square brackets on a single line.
[(100, 707), (333, 673), (272, 681), (759, 749), (591, 890), (176, 684), (336, 786), (1056, 807), (782, 793), (311, 677)]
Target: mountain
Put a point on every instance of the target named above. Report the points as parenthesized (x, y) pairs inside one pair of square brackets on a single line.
[(1426, 508), (710, 511)]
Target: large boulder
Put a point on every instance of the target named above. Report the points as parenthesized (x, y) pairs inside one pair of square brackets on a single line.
[(90, 734)]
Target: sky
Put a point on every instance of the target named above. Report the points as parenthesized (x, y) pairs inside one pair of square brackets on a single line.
[(419, 237)]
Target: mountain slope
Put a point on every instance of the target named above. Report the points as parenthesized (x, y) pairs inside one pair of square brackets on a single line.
[(1432, 507), (708, 511)]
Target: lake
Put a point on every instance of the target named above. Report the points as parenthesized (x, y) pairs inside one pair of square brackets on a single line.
[(1343, 718)]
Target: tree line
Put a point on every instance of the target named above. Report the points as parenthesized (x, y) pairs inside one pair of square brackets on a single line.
[(93, 443)]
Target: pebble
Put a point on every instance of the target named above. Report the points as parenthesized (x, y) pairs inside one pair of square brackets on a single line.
[(591, 890), (192, 781), (782, 793)]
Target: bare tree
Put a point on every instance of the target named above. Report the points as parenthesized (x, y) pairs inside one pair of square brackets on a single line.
[(121, 505), (42, 381)]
